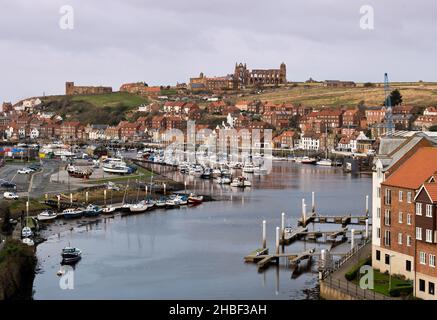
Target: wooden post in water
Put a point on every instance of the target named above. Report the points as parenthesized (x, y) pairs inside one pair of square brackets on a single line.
[(104, 196), (303, 211), (367, 205), (283, 226), (313, 202), (46, 196), (86, 197), (277, 240), (352, 239), (164, 188), (59, 202), (71, 198), (264, 235), (323, 263)]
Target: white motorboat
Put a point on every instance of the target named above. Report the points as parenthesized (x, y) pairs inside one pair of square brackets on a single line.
[(248, 168), (108, 210), (224, 180), (139, 207), (47, 215), (115, 166), (324, 162), (28, 242), (308, 160)]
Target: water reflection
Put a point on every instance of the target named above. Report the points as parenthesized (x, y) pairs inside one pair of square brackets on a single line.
[(197, 252)]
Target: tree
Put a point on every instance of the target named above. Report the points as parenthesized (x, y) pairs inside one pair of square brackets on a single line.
[(395, 98)]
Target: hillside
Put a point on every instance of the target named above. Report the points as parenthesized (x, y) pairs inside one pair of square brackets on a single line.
[(413, 94), (102, 109)]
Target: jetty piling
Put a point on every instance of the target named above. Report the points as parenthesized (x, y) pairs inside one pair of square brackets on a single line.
[(313, 202), (264, 244), (86, 197), (283, 226), (367, 228), (277, 240), (367, 205)]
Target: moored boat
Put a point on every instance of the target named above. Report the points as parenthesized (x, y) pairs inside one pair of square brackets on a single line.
[(72, 213), (324, 162), (195, 199), (71, 255), (92, 211), (108, 210), (308, 160), (47, 215), (26, 232), (77, 172)]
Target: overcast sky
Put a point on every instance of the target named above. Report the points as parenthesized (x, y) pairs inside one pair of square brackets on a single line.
[(167, 41)]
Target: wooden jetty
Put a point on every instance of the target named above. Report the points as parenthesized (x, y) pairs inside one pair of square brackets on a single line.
[(264, 260), (290, 235), (343, 220)]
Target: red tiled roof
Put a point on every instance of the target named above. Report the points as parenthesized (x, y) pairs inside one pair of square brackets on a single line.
[(418, 168), (431, 189)]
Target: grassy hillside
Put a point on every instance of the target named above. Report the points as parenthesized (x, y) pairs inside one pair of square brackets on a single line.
[(413, 94), (103, 109)]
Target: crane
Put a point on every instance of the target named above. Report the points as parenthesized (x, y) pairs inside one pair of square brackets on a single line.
[(389, 110)]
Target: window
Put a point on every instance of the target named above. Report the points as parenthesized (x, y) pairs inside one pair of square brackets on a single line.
[(401, 196), (387, 259), (387, 238), (409, 242), (378, 233), (428, 235), (408, 265), (419, 209), (409, 219), (400, 238), (378, 255), (378, 191), (378, 213), (387, 197), (409, 197), (387, 218), (418, 233), (422, 257), (400, 217), (422, 285), (429, 210), (431, 288), (432, 260)]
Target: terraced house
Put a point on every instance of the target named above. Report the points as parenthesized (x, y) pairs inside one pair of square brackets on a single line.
[(405, 232)]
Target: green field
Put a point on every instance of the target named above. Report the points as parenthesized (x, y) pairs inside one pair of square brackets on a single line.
[(416, 94), (112, 99)]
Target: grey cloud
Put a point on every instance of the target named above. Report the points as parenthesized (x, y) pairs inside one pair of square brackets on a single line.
[(166, 41)]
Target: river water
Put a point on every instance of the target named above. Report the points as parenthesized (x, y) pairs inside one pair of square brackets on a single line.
[(197, 252)]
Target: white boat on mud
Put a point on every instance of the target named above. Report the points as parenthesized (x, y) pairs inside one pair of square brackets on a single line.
[(116, 166), (47, 215)]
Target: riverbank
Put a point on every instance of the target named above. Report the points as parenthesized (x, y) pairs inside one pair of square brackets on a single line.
[(17, 271)]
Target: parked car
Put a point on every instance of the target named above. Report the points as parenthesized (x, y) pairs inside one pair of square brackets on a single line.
[(10, 195), (25, 171), (8, 185)]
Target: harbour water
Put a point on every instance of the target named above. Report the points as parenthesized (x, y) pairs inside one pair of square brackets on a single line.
[(197, 252)]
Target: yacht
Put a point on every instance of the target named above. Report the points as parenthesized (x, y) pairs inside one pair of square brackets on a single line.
[(26, 232), (92, 211), (308, 160)]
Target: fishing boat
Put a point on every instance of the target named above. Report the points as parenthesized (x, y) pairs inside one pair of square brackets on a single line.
[(26, 232), (72, 213), (195, 199), (126, 207), (92, 211), (47, 215), (77, 172), (183, 200), (308, 160), (324, 162), (71, 255)]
